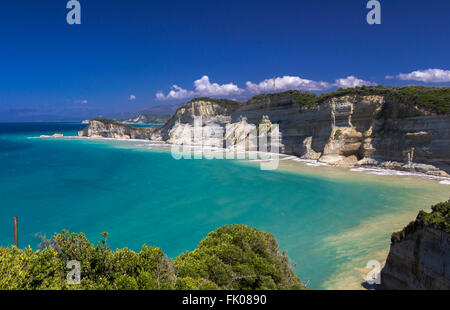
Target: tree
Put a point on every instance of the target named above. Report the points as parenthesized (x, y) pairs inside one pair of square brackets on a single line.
[(239, 257), (232, 257)]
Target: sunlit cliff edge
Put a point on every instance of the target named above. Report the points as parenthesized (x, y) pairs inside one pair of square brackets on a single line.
[(419, 257)]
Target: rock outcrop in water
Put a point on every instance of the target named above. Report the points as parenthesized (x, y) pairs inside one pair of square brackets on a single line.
[(405, 128), (419, 257)]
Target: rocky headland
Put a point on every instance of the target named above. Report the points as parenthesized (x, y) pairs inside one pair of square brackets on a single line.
[(105, 128), (419, 257), (403, 128)]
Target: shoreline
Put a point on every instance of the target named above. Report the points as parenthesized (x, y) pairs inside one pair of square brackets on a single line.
[(369, 169), (371, 235)]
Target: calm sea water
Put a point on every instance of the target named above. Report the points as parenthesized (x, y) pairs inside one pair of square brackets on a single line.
[(329, 226)]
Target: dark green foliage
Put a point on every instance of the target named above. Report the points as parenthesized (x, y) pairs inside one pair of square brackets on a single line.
[(436, 99), (188, 283), (304, 99), (438, 218), (26, 269), (125, 282), (248, 260), (432, 99), (400, 235), (241, 258)]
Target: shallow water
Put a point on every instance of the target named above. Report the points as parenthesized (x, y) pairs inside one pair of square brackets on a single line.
[(330, 221)]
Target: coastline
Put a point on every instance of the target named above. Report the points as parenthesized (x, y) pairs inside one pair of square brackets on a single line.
[(369, 169), (368, 239)]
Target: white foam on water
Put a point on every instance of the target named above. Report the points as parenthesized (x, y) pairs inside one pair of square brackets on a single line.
[(290, 158), (260, 160), (316, 164), (267, 156), (382, 171)]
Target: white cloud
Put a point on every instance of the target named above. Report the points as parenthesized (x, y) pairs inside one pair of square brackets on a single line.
[(298, 83), (132, 97), (287, 82), (426, 76), (82, 101), (203, 87), (176, 93), (352, 81)]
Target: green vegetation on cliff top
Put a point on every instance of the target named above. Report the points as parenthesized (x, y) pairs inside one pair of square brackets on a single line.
[(107, 121), (438, 218), (436, 99), (233, 257)]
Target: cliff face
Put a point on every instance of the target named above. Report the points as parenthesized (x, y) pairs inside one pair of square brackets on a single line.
[(332, 132), (102, 128), (419, 257), (370, 127), (211, 112), (358, 130)]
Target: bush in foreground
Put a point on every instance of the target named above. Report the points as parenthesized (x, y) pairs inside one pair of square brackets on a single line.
[(232, 257)]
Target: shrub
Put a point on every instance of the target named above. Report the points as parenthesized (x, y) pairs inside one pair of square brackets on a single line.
[(239, 257), (232, 257), (439, 218)]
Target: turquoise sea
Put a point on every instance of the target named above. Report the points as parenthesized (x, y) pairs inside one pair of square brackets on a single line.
[(330, 221)]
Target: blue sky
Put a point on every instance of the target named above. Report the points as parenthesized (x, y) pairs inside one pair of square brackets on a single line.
[(127, 55)]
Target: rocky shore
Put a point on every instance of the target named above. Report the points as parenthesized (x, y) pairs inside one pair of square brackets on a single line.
[(401, 128), (105, 128)]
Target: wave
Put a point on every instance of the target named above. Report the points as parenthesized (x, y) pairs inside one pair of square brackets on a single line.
[(384, 171)]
